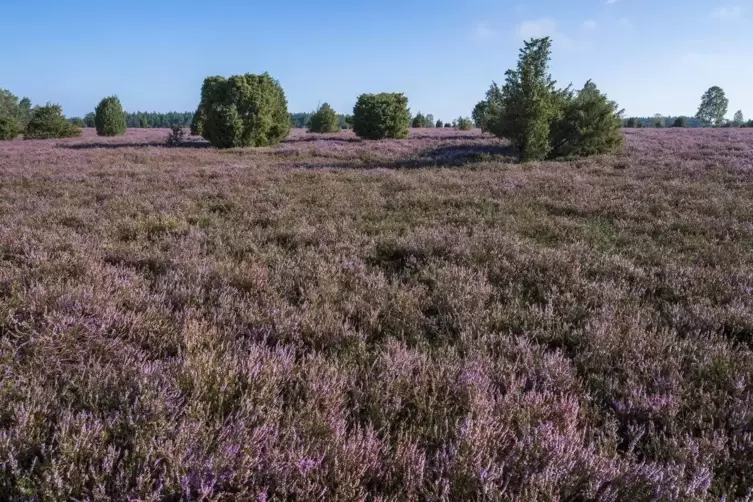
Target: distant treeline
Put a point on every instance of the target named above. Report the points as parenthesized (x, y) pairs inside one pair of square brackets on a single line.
[(667, 121), (301, 120), (150, 119)]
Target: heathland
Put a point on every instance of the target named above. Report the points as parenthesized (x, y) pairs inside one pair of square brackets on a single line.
[(337, 319)]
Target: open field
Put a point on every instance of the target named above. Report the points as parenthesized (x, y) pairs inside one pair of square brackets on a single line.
[(334, 319)]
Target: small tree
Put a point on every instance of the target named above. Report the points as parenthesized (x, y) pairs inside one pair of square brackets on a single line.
[(89, 120), (348, 121), (440, 123), (242, 111), (419, 120), (324, 120), (713, 107), (109, 118), (447, 125), (589, 124), (48, 122), (77, 121), (658, 123), (738, 119), (464, 123), (379, 116), (176, 136), (143, 123), (680, 122), (632, 123), (429, 121)]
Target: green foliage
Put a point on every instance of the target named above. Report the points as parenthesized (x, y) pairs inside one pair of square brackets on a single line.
[(680, 122), (348, 120), (379, 116), (9, 127), (109, 118), (143, 123), (89, 119), (486, 113), (77, 121), (738, 119), (242, 111), (528, 102), (713, 107), (447, 125), (464, 123), (440, 123), (48, 122), (419, 120), (324, 120), (658, 122), (588, 124), (632, 123), (176, 136), (544, 122), (429, 121)]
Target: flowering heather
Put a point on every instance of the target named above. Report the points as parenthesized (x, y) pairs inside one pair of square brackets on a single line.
[(333, 319)]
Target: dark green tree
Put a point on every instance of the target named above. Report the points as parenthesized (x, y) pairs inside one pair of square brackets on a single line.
[(379, 116), (143, 123), (10, 127), (419, 120), (447, 125), (632, 123), (109, 118), (77, 121), (486, 112), (713, 107), (48, 122), (324, 120), (440, 123), (89, 120), (658, 122), (589, 124), (528, 102), (680, 122), (242, 111)]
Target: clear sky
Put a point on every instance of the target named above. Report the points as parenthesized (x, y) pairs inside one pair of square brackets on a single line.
[(651, 56)]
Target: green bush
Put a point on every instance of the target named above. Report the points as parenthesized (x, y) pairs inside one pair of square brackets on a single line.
[(486, 113), (429, 121), (48, 122), (589, 124), (109, 118), (680, 122), (447, 125), (464, 123), (176, 136), (440, 123), (378, 116), (10, 127), (143, 123), (419, 120), (242, 111), (544, 122), (659, 123), (77, 121), (632, 123), (324, 120)]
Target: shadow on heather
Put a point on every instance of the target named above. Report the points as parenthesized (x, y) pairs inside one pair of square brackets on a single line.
[(117, 146)]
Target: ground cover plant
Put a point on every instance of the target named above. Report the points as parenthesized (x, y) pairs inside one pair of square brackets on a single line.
[(338, 319)]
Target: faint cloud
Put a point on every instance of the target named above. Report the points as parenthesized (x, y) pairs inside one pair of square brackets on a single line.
[(545, 27), (589, 24), (482, 32), (728, 12), (611, 1)]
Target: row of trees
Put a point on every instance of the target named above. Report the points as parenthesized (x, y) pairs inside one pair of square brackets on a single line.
[(17, 116), (712, 112)]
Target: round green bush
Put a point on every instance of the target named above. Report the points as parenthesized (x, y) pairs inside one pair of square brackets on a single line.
[(379, 116), (9, 127), (242, 111), (109, 118), (324, 120)]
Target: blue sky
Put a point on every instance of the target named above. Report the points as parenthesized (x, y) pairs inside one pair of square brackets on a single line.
[(651, 56)]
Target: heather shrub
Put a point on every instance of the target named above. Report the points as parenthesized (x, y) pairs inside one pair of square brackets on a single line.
[(544, 122), (632, 123), (380, 116), (242, 111), (176, 136), (464, 124), (109, 118), (10, 127), (324, 120), (680, 122), (48, 122)]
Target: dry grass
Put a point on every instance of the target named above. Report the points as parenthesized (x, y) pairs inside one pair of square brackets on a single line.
[(403, 320)]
